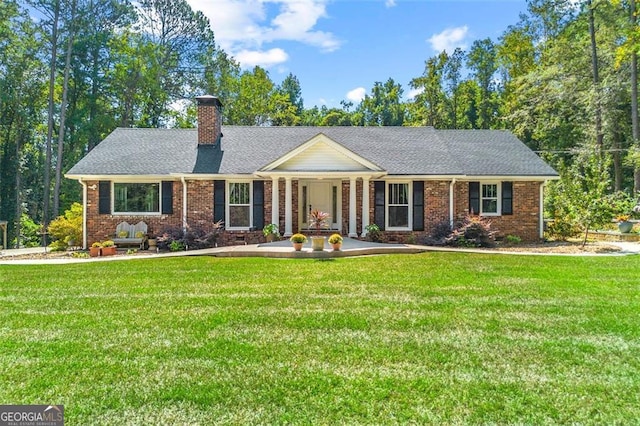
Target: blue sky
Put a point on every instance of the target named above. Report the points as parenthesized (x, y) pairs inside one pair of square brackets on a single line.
[(339, 48)]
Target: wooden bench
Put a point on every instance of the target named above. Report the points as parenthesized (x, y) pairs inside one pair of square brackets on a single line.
[(131, 234)]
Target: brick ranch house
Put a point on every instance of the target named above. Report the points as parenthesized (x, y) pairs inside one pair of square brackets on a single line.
[(403, 179)]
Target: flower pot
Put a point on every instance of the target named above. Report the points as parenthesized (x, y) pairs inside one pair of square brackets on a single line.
[(94, 251), (625, 227), (270, 238), (336, 246), (109, 251), (317, 243), (152, 243), (297, 246)]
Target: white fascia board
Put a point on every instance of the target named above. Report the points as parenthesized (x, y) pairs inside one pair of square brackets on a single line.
[(510, 178), (124, 178), (320, 175)]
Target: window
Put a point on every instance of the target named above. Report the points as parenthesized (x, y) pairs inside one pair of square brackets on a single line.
[(398, 205), (239, 205), (136, 198), (490, 197)]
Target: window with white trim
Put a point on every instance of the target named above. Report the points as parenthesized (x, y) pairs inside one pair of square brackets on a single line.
[(398, 208), (239, 202), (136, 198), (490, 199)]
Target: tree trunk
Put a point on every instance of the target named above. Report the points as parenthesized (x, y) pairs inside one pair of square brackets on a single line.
[(63, 111), (52, 83), (635, 126), (596, 79)]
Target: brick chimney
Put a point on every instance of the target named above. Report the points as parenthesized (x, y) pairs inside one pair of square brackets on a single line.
[(209, 120)]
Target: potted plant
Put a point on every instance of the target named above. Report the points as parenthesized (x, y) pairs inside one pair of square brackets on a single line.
[(298, 240), (624, 226), (108, 248), (94, 250), (336, 242), (318, 220), (270, 231)]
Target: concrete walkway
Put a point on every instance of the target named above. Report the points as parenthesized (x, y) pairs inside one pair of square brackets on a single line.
[(283, 249)]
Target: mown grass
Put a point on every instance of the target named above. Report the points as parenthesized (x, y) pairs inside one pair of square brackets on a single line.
[(432, 338)]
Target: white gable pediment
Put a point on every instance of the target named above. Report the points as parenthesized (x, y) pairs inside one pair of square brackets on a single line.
[(321, 154)]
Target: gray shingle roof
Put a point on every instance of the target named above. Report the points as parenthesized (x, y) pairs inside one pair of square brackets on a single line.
[(398, 150)]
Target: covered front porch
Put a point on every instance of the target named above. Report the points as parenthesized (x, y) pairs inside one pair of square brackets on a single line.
[(347, 199)]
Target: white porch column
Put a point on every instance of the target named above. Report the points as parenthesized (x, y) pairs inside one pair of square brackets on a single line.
[(288, 213), (352, 209), (365, 206), (275, 202)]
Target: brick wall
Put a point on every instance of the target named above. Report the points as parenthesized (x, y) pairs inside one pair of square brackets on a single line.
[(101, 227), (524, 222)]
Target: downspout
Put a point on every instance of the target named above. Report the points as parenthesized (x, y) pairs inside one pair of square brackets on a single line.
[(184, 204), (451, 208), (541, 231), (84, 213)]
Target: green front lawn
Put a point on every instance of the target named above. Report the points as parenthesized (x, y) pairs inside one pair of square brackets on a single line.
[(438, 337)]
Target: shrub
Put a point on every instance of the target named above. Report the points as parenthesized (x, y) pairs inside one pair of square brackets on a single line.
[(439, 234), (512, 239), (193, 239), (373, 233), (29, 232), (66, 228), (561, 228), (474, 231)]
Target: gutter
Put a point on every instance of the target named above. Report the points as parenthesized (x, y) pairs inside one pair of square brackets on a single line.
[(84, 213), (451, 207), (184, 204), (541, 219)]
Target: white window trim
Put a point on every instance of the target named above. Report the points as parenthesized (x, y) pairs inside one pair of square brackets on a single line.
[(227, 205), (498, 201), (113, 199), (410, 206)]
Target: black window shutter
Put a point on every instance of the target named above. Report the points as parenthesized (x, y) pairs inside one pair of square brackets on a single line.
[(418, 205), (258, 204), (104, 197), (507, 198), (379, 207), (474, 197), (167, 197), (218, 200)]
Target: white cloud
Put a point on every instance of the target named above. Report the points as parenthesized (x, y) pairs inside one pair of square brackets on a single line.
[(449, 39), (357, 94), (414, 92), (245, 25), (265, 59), (390, 3)]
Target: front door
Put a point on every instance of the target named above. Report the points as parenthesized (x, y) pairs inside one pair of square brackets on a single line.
[(321, 195)]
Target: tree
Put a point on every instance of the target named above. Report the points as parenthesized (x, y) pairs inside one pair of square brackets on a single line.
[(291, 87), (482, 62), (430, 101), (383, 107)]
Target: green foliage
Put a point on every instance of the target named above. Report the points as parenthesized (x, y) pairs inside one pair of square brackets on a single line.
[(374, 233), (176, 246), (270, 229), (29, 232), (67, 228), (512, 239), (582, 196)]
